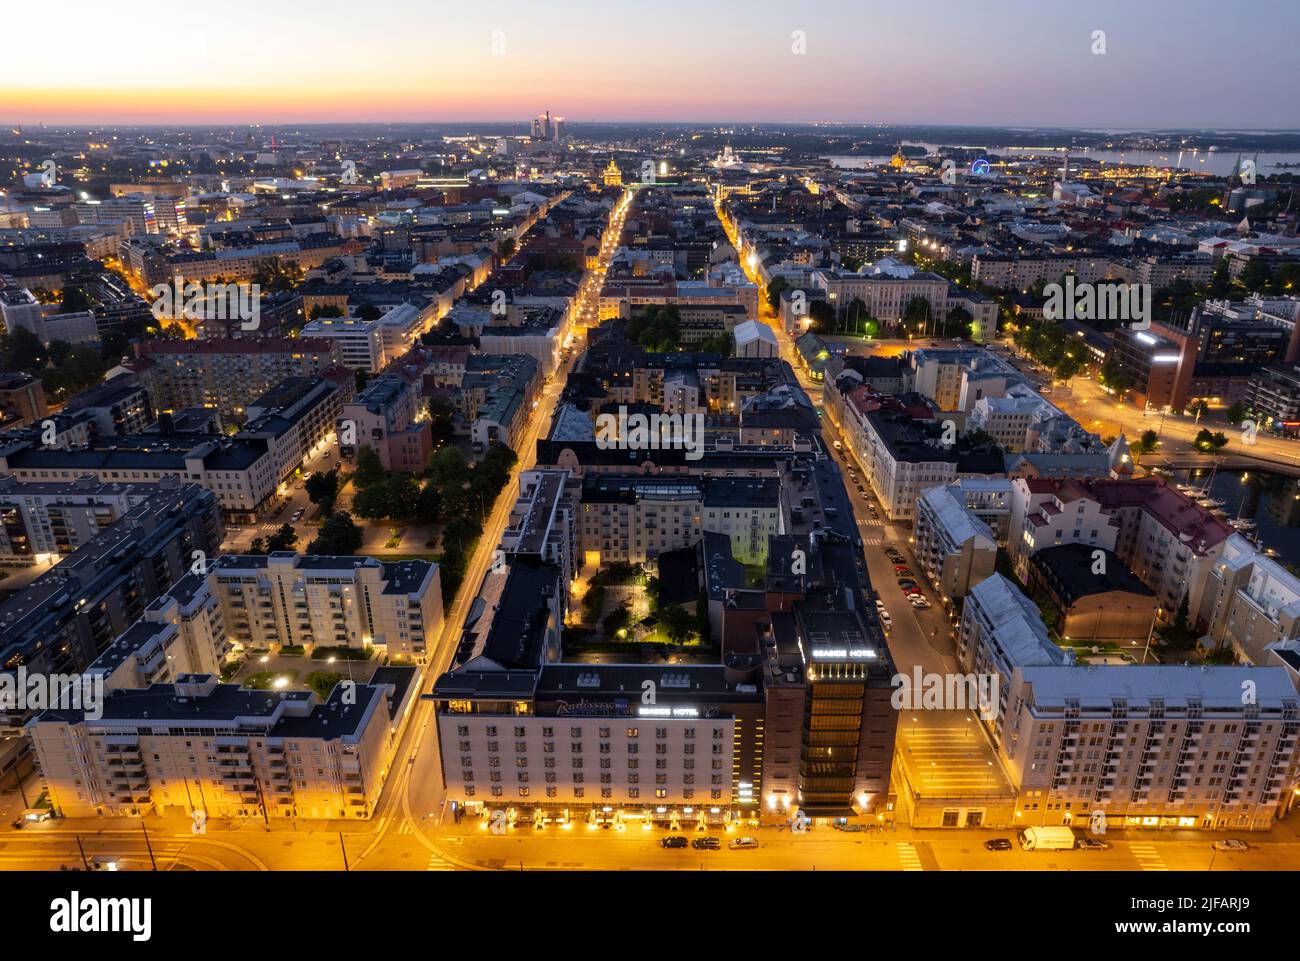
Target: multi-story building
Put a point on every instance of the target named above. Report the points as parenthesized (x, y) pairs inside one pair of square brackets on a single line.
[(632, 518), (255, 754), (118, 406), (954, 547), (386, 416), (22, 399), (225, 373), (240, 471), (65, 618), (1163, 536), (1273, 396), (1250, 601), (44, 521), (291, 600), (1094, 594), (295, 419), (1146, 746)]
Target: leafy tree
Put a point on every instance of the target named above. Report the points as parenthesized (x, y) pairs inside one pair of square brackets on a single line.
[(323, 486), (428, 506), (74, 300), (283, 539), (774, 290), (338, 535), (1148, 442), (616, 620), (506, 249), (59, 350), (448, 469), (1198, 408), (368, 468), (957, 323), (677, 623), (257, 546), (325, 310), (369, 312), (1254, 276), (20, 349), (1235, 413), (656, 328), (1209, 441)]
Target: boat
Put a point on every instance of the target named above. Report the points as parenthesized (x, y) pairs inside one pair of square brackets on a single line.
[(1243, 524), (1209, 503)]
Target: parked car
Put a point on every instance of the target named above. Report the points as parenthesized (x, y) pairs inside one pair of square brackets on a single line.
[(997, 844), (880, 605), (900, 568), (1231, 844), (921, 605), (742, 844), (706, 844), (298, 514), (1093, 844), (906, 583), (674, 841)]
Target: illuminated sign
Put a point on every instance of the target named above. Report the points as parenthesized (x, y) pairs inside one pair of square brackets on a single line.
[(843, 653), (1164, 358), (668, 711)]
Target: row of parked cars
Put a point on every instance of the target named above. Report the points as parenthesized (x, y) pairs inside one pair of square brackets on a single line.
[(709, 843), (906, 580)]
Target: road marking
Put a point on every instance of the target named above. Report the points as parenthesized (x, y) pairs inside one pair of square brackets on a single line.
[(911, 861), (1148, 858), (438, 863)]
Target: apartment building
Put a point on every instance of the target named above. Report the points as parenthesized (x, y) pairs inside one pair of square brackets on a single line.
[(387, 416), (1147, 746), (496, 394), (633, 518), (1164, 537), (225, 373), (61, 622), (954, 547), (182, 632), (886, 287), (1250, 602), (236, 263), (1011, 272), (903, 457), (118, 406), (543, 522), (291, 600), (241, 472), (196, 746), (295, 419), (22, 399), (44, 521), (372, 343)]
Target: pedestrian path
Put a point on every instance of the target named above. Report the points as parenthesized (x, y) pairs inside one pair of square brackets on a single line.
[(438, 863), (907, 856), (1148, 858)]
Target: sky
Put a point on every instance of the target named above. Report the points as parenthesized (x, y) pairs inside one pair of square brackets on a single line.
[(1167, 63)]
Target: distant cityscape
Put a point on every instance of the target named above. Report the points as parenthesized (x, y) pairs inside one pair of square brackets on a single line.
[(406, 481)]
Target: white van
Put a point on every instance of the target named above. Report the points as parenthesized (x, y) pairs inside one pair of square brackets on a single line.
[(1058, 838)]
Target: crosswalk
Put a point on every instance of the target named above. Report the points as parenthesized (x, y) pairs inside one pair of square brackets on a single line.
[(438, 863), (1148, 858), (873, 541), (907, 856)]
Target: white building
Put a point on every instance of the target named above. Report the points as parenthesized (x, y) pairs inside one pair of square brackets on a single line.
[(956, 549), (755, 339)]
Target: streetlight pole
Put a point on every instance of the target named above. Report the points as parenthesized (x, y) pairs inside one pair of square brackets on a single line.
[(148, 846)]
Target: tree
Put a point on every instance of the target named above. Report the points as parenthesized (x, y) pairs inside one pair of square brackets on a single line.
[(369, 312), (257, 546), (368, 468), (1198, 408), (339, 535), (323, 486), (916, 313), (506, 249), (59, 350), (617, 620), (442, 415), (1235, 413), (657, 328), (957, 323), (448, 469), (283, 539), (20, 349), (774, 290), (1208, 441), (677, 623), (1254, 276), (1148, 442), (428, 506), (325, 310), (74, 300)]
